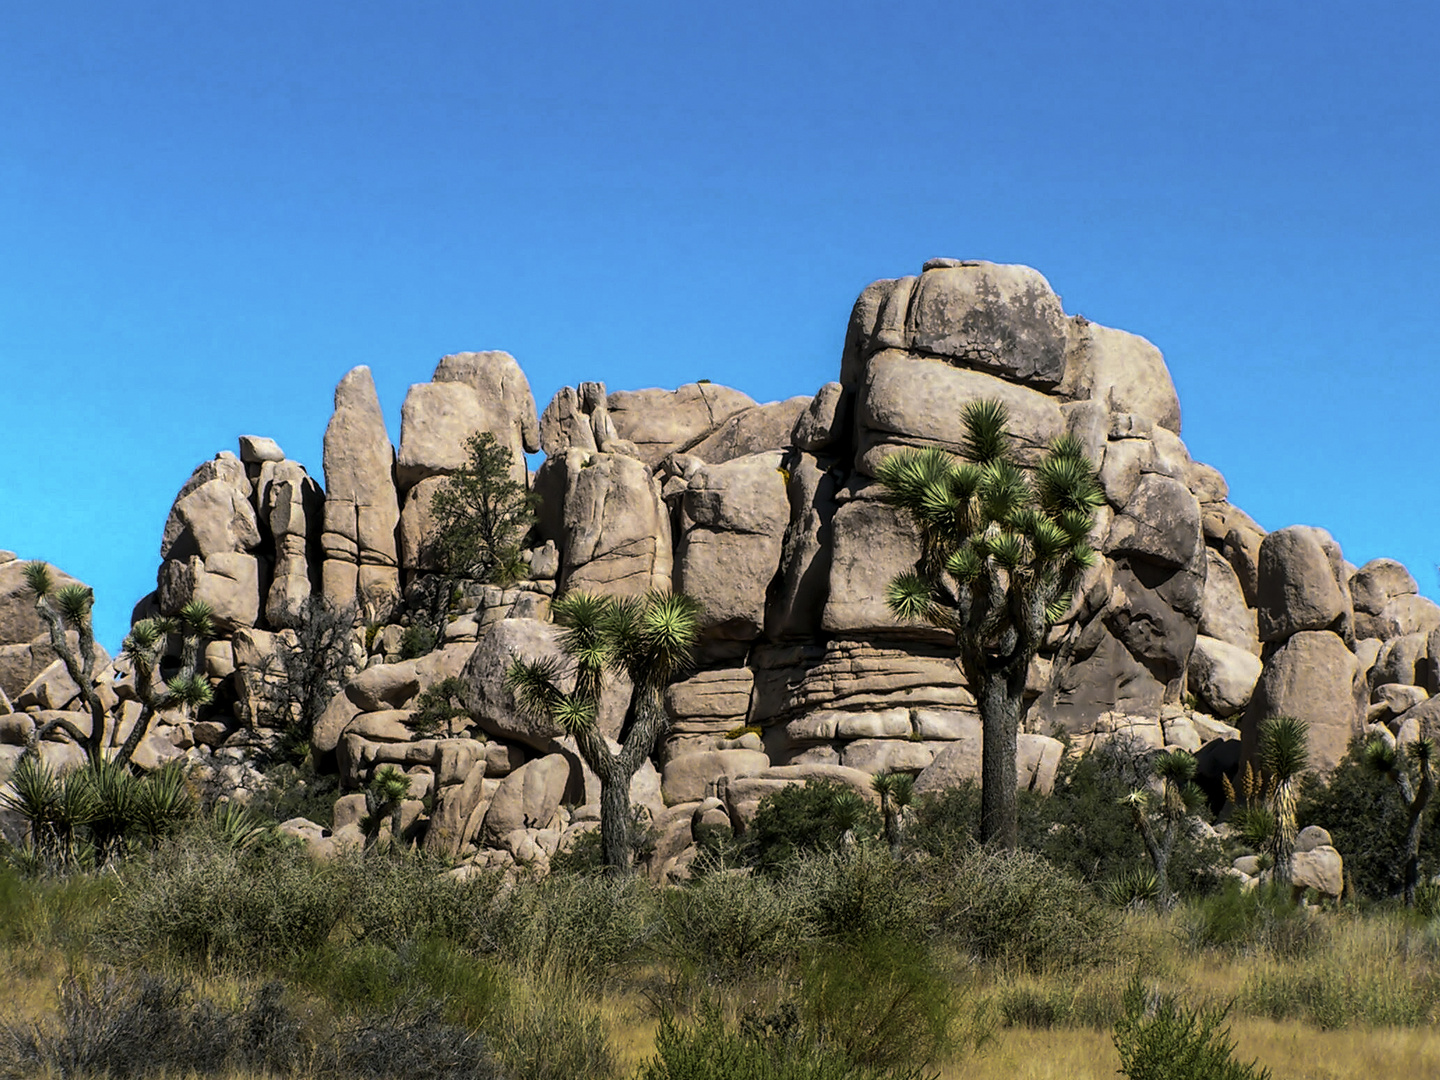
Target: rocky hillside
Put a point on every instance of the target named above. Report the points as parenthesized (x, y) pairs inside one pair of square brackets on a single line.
[(1194, 626)]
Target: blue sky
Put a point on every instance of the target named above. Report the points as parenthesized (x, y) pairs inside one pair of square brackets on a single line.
[(209, 212)]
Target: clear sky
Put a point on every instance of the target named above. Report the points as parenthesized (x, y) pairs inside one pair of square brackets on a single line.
[(210, 211)]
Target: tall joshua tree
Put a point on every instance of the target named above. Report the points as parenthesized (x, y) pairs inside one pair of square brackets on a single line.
[(1284, 752), (651, 639), (1000, 555), (1412, 772), (1180, 799), (69, 609)]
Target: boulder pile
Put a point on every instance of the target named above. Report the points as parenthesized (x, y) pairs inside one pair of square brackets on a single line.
[(1194, 626)]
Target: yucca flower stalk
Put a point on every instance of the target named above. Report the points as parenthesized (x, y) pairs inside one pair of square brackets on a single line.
[(1179, 800), (650, 639), (1001, 553), (1412, 771), (1284, 753)]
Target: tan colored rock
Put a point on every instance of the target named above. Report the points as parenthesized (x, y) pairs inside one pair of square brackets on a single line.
[(384, 686), (51, 689), (1125, 371), (615, 536), (913, 401), (325, 736), (1378, 582), (212, 512), (1404, 614), (436, 420), (752, 431), (871, 542), (361, 508), (493, 705), (1223, 612), (694, 776), (1309, 677), (1321, 868), (733, 521), (794, 680), (504, 394), (889, 755), (1160, 523), (1223, 675), (1037, 761), (1402, 660), (721, 696), (527, 798), (819, 424), (992, 317), (660, 422), (798, 604), (1298, 590), (256, 449)]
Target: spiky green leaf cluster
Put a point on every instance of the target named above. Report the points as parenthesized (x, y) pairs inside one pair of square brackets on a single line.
[(997, 542), (649, 639)]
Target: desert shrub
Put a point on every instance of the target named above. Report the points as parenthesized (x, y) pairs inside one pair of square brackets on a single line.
[(588, 925), (1161, 1038), (1331, 996), (1260, 920), (816, 816), (1367, 823), (137, 1024), (859, 892), (206, 904), (412, 1043), (882, 1004), (1015, 909), (946, 823), (732, 923), (709, 1049), (1041, 1004), (298, 791), (409, 898)]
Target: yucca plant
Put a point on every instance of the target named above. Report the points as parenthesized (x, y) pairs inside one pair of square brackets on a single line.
[(383, 799), (163, 802), (1284, 753), (35, 795), (896, 790), (1161, 820), (651, 639), (63, 609), (144, 647), (1412, 771), (238, 827), (1001, 553), (1132, 888), (116, 807)]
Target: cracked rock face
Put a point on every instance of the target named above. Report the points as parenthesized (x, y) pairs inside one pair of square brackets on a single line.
[(769, 514)]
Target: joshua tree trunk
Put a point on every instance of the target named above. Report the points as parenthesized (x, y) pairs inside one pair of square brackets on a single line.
[(1159, 849), (81, 670), (1000, 702), (615, 771), (1415, 804)]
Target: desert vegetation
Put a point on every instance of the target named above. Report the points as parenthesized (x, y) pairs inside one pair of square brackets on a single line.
[(162, 938)]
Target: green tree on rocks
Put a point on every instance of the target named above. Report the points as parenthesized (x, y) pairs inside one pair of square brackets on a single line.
[(650, 639), (69, 609), (1412, 771), (1001, 553)]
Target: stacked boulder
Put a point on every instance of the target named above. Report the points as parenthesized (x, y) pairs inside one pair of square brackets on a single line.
[(1194, 626)]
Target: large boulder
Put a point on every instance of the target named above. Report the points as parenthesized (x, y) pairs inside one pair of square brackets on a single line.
[(212, 512), (231, 582), (527, 799), (1223, 611), (506, 403), (870, 542), (992, 317), (1223, 675), (660, 422), (907, 400), (293, 511), (733, 518), (21, 625), (492, 704), (1124, 371), (436, 420), (614, 528), (797, 604), (361, 507), (1310, 677), (1377, 583), (1160, 523), (1297, 583), (753, 431)]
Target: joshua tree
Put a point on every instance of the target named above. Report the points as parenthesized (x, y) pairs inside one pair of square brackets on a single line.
[(651, 639), (1000, 554), (69, 608), (1412, 772), (1180, 799), (895, 791), (384, 798), (480, 517), (1284, 752)]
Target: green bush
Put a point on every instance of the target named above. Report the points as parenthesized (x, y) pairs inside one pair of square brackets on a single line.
[(881, 1003), (1332, 996), (1259, 920), (816, 816), (709, 1049), (1013, 908), (582, 924), (859, 892), (409, 898), (733, 923), (553, 1036), (1161, 1038), (208, 905), (1366, 822)]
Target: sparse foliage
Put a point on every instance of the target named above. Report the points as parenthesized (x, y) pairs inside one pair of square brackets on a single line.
[(439, 707), (649, 639), (1001, 552), (1160, 821), (313, 661), (1412, 771), (896, 791)]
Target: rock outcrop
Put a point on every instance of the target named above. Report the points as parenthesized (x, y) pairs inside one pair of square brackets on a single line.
[(770, 515)]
